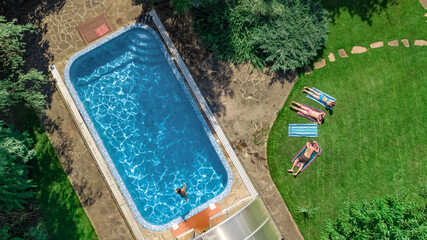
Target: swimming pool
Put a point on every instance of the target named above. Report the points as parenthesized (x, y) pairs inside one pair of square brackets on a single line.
[(147, 126)]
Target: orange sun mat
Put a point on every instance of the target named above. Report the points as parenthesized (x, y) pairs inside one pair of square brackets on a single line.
[(197, 222)]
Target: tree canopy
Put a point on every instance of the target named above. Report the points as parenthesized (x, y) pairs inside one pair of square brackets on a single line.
[(14, 182), (17, 85), (18, 88), (282, 34)]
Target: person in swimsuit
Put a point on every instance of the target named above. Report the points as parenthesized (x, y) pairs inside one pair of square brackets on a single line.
[(182, 191), (321, 97), (320, 117), (311, 147)]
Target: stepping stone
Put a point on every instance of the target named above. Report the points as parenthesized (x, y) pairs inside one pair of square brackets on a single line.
[(405, 42), (308, 70), (342, 53), (420, 43), (320, 64), (425, 15), (358, 49), (393, 43), (331, 57), (377, 44)]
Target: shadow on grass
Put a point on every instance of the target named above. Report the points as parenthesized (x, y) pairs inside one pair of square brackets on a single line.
[(59, 205), (365, 9)]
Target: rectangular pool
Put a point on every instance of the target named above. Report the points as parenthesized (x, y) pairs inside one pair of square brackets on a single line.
[(148, 127)]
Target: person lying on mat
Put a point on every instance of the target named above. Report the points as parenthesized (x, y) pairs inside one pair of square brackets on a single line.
[(320, 117), (182, 192), (321, 97), (305, 157)]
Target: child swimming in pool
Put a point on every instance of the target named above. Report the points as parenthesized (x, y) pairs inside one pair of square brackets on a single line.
[(182, 192)]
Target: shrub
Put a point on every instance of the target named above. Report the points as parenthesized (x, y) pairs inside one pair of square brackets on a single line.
[(383, 218), (280, 33)]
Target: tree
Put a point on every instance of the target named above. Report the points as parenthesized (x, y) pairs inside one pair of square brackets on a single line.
[(282, 34), (18, 88), (181, 7), (14, 182), (382, 218), (16, 85)]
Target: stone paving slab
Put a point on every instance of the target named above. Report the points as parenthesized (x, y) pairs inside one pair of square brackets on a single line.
[(358, 49), (394, 43), (320, 64), (377, 44), (331, 57), (420, 43), (405, 42), (342, 53)]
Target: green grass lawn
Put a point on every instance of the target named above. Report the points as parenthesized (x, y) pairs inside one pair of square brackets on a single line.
[(61, 210), (375, 140), (351, 25)]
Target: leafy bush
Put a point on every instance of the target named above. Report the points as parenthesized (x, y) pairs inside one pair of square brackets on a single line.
[(280, 33), (383, 218), (180, 6), (14, 182), (17, 86)]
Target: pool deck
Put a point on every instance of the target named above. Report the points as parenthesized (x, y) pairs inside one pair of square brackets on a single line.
[(252, 94)]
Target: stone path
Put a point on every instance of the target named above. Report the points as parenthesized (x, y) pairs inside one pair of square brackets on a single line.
[(342, 53), (424, 3), (361, 49), (358, 49)]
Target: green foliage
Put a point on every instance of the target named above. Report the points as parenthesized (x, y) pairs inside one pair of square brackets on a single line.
[(33, 233), (382, 218), (36, 233), (14, 182), (181, 6), (307, 211), (4, 232), (17, 86), (279, 33)]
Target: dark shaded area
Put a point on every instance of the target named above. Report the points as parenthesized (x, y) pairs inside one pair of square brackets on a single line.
[(212, 76), (362, 8), (36, 55), (64, 148), (282, 77), (55, 198)]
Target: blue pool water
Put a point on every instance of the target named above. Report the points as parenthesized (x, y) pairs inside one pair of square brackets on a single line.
[(147, 126)]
